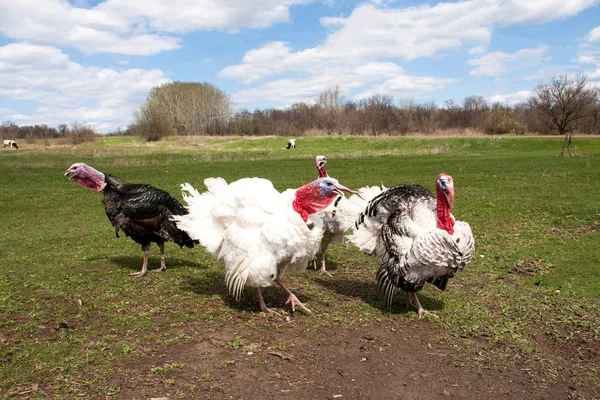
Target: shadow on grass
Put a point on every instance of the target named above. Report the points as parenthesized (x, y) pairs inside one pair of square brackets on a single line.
[(134, 263), (213, 283), (329, 265), (368, 292)]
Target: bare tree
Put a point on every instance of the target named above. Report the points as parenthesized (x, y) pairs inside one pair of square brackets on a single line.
[(194, 108), (474, 111), (331, 102), (378, 111), (152, 122), (564, 101)]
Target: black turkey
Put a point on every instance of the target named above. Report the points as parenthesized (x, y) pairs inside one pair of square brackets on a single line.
[(141, 211)]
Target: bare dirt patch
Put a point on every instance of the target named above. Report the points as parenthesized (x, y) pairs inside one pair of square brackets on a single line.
[(390, 359)]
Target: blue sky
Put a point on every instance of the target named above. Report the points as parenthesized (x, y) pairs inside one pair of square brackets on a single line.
[(95, 61)]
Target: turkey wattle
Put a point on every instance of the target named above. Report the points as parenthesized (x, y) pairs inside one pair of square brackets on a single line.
[(259, 233), (142, 211), (415, 239)]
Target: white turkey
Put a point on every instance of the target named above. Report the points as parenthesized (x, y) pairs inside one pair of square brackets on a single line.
[(336, 222), (415, 239), (259, 233)]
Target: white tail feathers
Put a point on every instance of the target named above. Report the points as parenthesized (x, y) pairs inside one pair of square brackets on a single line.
[(366, 194), (215, 185), (364, 237), (208, 215)]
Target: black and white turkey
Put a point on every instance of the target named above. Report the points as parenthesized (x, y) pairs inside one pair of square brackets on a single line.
[(415, 239), (258, 232), (338, 220), (142, 211)]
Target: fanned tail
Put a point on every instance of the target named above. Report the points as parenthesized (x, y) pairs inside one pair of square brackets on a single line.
[(209, 214), (364, 235)]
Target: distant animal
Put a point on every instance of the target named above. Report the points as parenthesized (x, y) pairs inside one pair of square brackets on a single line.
[(336, 222), (291, 144), (258, 232), (415, 239), (143, 212), (9, 143)]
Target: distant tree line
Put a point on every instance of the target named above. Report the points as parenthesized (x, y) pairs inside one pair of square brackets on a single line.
[(75, 133), (563, 105)]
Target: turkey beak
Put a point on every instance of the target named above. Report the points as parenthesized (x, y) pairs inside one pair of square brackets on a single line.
[(340, 189), (69, 174)]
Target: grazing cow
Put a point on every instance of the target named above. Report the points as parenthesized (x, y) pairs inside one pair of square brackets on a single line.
[(10, 143), (291, 144)]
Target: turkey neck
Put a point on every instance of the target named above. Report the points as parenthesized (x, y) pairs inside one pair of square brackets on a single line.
[(323, 172), (113, 181)]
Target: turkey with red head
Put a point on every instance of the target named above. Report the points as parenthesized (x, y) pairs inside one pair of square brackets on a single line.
[(258, 232), (143, 212), (415, 239)]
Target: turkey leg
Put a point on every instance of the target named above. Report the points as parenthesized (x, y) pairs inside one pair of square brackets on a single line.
[(163, 266), (412, 299), (263, 305), (146, 249)]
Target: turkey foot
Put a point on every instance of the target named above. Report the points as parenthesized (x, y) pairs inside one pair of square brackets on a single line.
[(138, 274), (423, 311), (323, 270), (412, 300), (293, 300)]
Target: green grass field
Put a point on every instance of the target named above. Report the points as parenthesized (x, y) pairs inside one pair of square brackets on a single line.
[(70, 314)]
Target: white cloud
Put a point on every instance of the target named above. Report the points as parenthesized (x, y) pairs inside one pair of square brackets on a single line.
[(594, 35), (374, 33), (371, 33), (477, 50), (587, 59), (68, 91), (139, 27), (495, 63), (517, 12), (511, 98), (389, 78)]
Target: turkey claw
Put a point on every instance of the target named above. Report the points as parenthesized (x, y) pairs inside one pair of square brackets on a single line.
[(293, 300), (428, 313), (324, 271)]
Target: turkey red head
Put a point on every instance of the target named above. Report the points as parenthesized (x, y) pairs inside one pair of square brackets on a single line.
[(322, 166), (86, 176), (317, 195), (444, 189)]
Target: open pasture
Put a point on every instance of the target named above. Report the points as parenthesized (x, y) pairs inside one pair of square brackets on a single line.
[(522, 321)]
